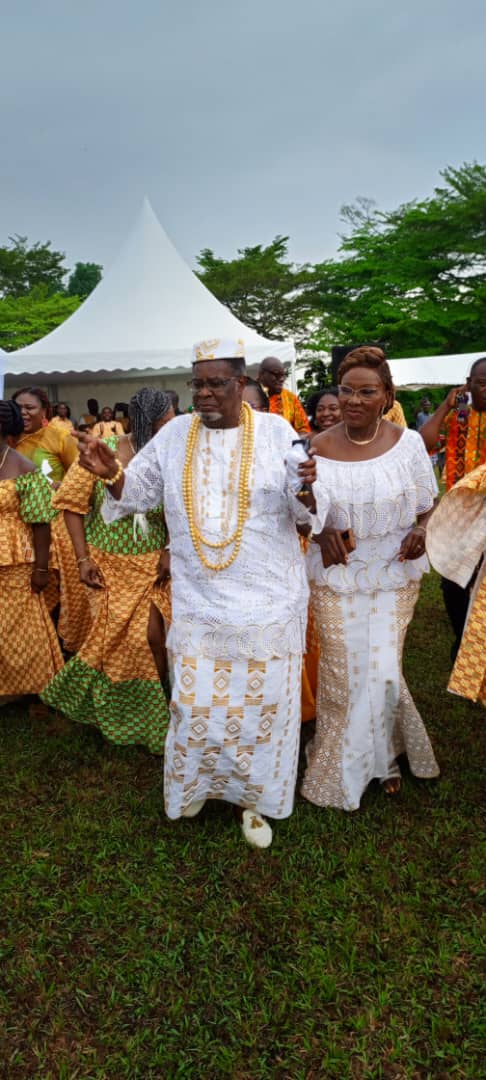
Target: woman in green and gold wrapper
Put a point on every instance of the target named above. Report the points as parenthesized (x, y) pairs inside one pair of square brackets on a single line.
[(114, 682), (53, 449), (29, 649)]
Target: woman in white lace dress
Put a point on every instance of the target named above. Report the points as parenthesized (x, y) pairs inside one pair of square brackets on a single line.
[(375, 485)]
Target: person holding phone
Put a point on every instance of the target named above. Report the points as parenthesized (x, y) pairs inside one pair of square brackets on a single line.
[(375, 491)]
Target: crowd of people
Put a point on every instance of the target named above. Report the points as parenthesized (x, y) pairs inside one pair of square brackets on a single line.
[(202, 583)]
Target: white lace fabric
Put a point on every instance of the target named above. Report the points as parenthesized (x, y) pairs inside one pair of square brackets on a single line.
[(257, 607), (379, 499)]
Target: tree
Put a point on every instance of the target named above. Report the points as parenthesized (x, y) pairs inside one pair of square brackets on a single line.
[(263, 289), (84, 279), (23, 268), (27, 318), (414, 277)]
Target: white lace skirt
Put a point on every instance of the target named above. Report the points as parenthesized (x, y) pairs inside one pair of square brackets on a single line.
[(365, 715), (233, 733)]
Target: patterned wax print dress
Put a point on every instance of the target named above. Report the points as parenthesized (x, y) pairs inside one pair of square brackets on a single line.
[(112, 682), (29, 649)]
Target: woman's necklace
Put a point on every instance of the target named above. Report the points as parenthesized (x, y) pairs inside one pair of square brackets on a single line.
[(246, 460), (2, 462), (363, 442)]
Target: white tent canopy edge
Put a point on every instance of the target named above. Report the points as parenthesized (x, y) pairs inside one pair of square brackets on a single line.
[(142, 318), (433, 370)]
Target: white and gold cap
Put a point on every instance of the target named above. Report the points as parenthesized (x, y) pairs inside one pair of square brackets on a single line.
[(218, 349)]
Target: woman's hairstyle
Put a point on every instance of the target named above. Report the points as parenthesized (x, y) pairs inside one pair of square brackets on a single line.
[(40, 394), (312, 402), (144, 409), (11, 422), (92, 406), (260, 391), (370, 356), (66, 406)]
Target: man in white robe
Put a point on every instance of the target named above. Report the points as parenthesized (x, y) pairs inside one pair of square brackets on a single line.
[(237, 634)]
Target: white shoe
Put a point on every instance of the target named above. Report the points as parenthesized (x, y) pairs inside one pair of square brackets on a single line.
[(193, 808), (256, 830)]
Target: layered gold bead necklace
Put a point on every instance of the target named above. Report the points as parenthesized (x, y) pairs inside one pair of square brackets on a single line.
[(248, 423)]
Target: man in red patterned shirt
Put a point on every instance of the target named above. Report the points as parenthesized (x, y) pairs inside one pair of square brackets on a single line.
[(272, 375)]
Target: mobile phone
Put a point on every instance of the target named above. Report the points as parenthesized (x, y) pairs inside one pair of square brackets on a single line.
[(305, 444)]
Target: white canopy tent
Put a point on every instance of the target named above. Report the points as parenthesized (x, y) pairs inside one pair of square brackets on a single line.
[(433, 370), (139, 323)]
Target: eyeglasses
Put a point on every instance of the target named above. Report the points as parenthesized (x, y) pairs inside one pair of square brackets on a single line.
[(212, 384), (365, 393)]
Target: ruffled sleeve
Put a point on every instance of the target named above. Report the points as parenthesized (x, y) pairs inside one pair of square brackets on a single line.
[(35, 498), (423, 475), (76, 490)]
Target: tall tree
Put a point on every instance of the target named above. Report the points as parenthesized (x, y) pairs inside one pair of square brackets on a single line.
[(84, 278), (414, 277), (263, 289), (25, 319), (23, 267)]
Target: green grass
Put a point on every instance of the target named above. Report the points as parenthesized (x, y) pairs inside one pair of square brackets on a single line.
[(136, 948)]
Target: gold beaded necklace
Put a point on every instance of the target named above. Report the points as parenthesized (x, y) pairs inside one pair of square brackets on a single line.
[(248, 422)]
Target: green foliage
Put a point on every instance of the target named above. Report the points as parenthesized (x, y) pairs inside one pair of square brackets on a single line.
[(314, 371), (27, 318), (136, 948), (263, 289), (84, 278), (414, 277), (23, 268), (410, 399)]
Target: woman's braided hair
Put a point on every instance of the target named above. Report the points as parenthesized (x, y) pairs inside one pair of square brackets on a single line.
[(10, 418), (144, 408)]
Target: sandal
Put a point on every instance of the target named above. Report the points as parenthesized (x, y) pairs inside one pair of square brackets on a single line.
[(392, 785)]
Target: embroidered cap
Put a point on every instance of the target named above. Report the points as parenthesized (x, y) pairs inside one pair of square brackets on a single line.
[(218, 349)]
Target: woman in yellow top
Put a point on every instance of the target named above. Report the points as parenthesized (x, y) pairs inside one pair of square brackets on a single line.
[(29, 650), (53, 450), (42, 441), (62, 417), (107, 426)]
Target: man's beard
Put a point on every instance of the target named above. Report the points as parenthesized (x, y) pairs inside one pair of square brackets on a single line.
[(213, 417)]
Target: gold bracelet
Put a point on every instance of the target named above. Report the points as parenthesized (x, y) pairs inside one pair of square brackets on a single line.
[(85, 558), (118, 475), (39, 570), (420, 528)]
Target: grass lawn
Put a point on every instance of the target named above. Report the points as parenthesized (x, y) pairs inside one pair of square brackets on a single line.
[(136, 948)]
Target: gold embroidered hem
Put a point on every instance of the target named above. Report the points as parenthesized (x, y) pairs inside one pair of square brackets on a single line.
[(365, 713), (233, 733)]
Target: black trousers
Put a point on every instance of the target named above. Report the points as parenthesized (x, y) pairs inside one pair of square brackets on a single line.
[(456, 600)]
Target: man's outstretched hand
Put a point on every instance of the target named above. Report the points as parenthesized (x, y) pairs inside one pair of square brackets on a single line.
[(96, 456)]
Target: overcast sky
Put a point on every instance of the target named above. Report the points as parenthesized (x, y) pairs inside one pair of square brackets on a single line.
[(239, 120)]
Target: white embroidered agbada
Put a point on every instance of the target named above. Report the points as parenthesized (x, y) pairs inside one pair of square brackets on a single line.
[(365, 712), (236, 638)]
